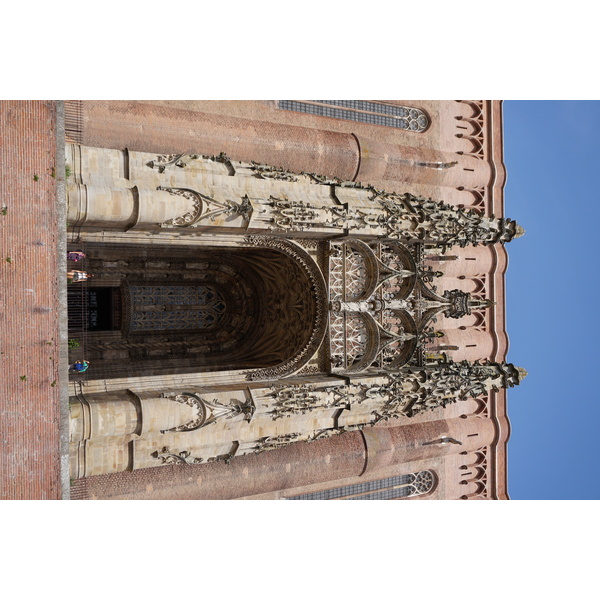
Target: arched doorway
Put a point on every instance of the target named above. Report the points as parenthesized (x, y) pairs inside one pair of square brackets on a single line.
[(260, 307)]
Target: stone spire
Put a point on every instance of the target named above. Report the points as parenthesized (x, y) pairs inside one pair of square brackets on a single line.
[(410, 217)]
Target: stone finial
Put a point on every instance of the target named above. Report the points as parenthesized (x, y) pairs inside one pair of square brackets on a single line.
[(519, 231), (522, 373)]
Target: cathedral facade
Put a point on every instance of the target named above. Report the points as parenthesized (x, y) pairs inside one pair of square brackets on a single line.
[(290, 300)]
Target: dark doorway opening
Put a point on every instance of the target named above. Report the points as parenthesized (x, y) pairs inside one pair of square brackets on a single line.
[(94, 308)]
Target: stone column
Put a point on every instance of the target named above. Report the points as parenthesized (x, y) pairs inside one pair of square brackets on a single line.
[(330, 459), (418, 441), (123, 208), (101, 427)]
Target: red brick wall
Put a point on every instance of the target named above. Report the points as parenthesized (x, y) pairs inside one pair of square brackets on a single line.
[(161, 129), (29, 403), (338, 457)]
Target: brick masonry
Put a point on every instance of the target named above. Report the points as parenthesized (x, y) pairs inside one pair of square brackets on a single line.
[(30, 413), (162, 129), (337, 457), (31, 283)]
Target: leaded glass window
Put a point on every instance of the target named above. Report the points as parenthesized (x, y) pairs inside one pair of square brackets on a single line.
[(401, 486), (363, 111), (168, 307)]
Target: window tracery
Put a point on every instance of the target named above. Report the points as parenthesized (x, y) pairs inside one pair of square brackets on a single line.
[(155, 308), (357, 338), (363, 111), (356, 274), (391, 488), (402, 331)]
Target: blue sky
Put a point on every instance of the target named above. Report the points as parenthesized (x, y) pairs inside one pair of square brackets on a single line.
[(552, 153)]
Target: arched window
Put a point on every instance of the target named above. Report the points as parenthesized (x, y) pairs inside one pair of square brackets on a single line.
[(392, 488), (363, 111), (172, 307)]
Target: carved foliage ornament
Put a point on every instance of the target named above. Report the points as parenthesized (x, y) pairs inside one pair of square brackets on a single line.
[(410, 217), (274, 442), (267, 172), (394, 216), (403, 217), (292, 400), (206, 207), (167, 457), (416, 391), (163, 161), (406, 393), (207, 412)]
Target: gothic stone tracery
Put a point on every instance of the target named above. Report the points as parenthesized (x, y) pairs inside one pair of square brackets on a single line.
[(335, 280)]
